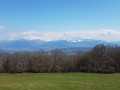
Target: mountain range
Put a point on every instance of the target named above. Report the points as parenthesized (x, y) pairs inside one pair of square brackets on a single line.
[(33, 45)]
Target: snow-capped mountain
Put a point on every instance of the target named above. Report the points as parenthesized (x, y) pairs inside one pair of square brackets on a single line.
[(32, 45)]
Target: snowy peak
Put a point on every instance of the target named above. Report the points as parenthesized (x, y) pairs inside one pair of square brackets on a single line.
[(31, 45)]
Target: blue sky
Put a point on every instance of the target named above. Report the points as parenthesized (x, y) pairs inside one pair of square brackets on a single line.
[(58, 15)]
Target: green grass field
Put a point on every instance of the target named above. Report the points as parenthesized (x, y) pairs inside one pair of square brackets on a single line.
[(59, 81)]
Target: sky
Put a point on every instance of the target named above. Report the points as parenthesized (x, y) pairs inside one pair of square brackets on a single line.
[(60, 19)]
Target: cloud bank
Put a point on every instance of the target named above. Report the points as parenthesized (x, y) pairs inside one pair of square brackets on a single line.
[(1, 27), (106, 35)]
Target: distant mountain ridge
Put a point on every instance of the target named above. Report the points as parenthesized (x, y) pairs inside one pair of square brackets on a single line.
[(32, 45)]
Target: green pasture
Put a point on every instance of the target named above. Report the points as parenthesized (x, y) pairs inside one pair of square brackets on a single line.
[(59, 81)]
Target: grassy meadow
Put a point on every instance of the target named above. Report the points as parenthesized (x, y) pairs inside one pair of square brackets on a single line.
[(59, 81)]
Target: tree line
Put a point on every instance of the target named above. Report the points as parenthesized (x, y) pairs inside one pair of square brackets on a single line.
[(101, 59)]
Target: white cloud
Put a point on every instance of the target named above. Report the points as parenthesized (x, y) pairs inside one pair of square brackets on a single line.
[(1, 27), (106, 35)]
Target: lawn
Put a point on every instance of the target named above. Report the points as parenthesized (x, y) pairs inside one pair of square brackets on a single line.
[(59, 81)]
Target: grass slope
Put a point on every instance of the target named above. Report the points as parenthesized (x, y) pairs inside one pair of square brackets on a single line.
[(59, 81)]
